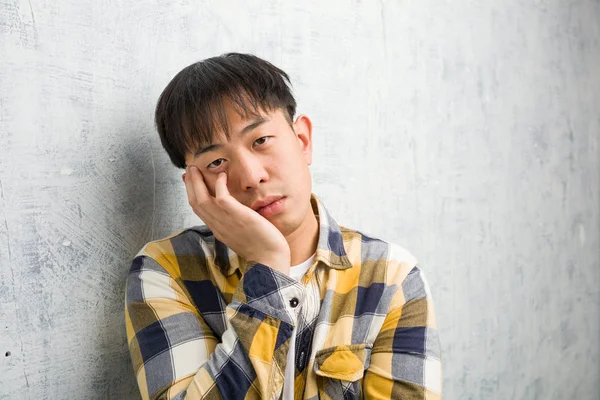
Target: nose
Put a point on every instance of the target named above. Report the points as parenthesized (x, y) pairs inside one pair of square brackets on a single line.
[(248, 172)]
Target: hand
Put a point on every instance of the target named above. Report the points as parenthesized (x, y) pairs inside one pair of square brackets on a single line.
[(241, 228)]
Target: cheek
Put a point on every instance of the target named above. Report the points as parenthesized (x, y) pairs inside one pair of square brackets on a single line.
[(275, 163), (288, 162), (294, 171)]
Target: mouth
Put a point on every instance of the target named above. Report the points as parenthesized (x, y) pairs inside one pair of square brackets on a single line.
[(270, 206), (265, 202)]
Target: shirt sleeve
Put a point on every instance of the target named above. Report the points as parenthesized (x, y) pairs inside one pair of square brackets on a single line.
[(175, 354), (406, 357)]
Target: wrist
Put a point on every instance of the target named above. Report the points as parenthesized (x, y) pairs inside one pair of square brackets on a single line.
[(278, 261)]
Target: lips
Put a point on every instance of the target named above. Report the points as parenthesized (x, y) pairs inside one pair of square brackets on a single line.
[(265, 202), (270, 206), (272, 209)]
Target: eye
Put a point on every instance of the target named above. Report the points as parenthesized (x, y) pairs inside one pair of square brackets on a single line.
[(218, 163), (262, 140)]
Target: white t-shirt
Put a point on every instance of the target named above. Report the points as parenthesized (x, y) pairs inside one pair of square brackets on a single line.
[(296, 272)]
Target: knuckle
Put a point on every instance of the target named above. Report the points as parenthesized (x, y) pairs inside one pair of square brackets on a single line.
[(201, 202), (221, 201)]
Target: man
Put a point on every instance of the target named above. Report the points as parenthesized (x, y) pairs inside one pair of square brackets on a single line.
[(271, 298)]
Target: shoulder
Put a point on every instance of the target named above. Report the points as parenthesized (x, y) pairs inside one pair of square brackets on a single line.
[(392, 259), (195, 241)]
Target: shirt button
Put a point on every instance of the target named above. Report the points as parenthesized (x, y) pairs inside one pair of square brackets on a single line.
[(294, 302), (301, 361)]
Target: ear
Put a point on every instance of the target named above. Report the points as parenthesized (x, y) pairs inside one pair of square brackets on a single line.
[(303, 130)]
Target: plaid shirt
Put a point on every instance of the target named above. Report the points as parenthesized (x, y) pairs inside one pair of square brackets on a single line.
[(202, 323)]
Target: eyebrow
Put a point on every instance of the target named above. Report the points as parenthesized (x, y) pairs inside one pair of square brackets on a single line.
[(251, 126)]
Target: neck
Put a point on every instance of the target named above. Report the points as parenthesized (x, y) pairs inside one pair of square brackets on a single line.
[(303, 241)]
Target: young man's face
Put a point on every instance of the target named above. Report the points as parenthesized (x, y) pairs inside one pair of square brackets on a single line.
[(265, 157)]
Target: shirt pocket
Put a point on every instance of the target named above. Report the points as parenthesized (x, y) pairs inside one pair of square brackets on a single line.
[(340, 370)]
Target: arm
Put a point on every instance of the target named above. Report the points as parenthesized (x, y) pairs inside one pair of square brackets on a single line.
[(406, 357), (175, 354)]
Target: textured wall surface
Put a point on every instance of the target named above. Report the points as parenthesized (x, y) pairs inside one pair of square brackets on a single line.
[(466, 131)]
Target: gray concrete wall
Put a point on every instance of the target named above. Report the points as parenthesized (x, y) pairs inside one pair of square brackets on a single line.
[(466, 131)]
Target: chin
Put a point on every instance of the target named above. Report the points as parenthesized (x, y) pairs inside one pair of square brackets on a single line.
[(283, 224)]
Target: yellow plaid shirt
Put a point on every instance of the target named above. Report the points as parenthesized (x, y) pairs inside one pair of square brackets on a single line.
[(203, 323)]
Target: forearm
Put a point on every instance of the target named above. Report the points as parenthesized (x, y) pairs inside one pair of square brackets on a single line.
[(190, 362)]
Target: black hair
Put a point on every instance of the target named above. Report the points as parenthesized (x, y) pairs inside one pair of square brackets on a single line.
[(190, 110)]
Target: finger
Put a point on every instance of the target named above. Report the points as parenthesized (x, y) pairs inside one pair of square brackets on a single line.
[(201, 193), (189, 187), (221, 191)]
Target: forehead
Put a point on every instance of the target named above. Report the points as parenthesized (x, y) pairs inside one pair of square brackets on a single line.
[(237, 115), (238, 120)]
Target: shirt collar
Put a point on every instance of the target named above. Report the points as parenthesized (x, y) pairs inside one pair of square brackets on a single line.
[(330, 246)]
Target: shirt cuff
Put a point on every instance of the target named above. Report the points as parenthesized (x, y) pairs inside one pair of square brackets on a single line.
[(271, 292)]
